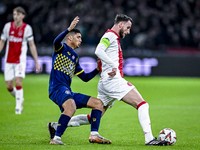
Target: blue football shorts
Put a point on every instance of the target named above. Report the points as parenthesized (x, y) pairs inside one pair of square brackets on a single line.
[(61, 94)]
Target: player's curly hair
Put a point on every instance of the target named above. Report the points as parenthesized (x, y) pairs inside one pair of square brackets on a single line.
[(122, 17)]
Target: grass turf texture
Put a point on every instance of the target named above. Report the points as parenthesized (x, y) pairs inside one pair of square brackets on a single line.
[(174, 103)]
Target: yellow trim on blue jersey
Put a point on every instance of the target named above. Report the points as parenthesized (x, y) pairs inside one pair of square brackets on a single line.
[(59, 48), (105, 41), (79, 72)]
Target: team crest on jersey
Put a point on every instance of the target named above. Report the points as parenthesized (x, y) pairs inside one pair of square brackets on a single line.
[(13, 32), (67, 92), (71, 66), (68, 53), (20, 33), (73, 57)]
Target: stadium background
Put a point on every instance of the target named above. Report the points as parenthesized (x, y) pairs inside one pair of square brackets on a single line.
[(164, 39), (164, 42)]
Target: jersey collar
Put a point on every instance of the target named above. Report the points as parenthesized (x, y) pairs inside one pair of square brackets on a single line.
[(109, 30)]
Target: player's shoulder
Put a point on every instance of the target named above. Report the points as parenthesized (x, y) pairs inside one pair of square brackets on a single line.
[(28, 26), (66, 48), (7, 27), (8, 24), (111, 36)]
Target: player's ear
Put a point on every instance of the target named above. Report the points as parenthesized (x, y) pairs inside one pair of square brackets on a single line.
[(120, 24), (70, 37)]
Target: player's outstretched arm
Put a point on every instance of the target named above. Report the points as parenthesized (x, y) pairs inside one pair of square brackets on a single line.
[(57, 41), (85, 76), (73, 23), (88, 76)]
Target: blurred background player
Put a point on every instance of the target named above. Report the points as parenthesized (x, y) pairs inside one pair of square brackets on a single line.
[(112, 86), (17, 34), (65, 64)]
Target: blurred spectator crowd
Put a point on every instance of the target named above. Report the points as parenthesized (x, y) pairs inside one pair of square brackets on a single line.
[(156, 23)]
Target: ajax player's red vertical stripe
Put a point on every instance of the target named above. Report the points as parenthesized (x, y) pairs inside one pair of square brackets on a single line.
[(15, 43), (120, 59), (120, 53), (100, 64)]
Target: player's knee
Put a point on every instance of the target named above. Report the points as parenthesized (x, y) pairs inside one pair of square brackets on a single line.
[(99, 105), (96, 104), (69, 107), (69, 111), (18, 83)]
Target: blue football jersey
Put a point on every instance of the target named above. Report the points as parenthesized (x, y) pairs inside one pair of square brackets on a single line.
[(65, 63)]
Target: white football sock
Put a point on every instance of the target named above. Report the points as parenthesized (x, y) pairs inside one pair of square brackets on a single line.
[(57, 137), (94, 133), (78, 120), (19, 98), (144, 119), (13, 92)]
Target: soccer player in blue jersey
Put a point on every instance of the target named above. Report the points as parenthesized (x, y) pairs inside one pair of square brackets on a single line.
[(65, 64)]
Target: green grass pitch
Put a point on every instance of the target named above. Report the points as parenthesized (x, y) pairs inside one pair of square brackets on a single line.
[(174, 103)]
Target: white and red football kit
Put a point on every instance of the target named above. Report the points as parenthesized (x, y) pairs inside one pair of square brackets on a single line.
[(115, 88), (16, 49)]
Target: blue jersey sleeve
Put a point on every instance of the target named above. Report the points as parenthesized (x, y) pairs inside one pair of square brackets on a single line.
[(85, 76), (78, 69), (88, 76), (57, 43)]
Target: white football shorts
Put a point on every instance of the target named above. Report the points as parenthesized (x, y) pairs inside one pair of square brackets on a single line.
[(14, 70), (113, 89)]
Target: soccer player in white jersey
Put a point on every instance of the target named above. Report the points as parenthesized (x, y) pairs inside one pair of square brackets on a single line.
[(112, 86), (17, 34)]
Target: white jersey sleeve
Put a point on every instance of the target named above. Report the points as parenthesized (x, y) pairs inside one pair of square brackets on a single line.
[(102, 47), (100, 52), (5, 33), (28, 33)]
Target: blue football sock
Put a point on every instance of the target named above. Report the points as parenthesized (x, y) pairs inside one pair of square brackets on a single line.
[(62, 125), (95, 119)]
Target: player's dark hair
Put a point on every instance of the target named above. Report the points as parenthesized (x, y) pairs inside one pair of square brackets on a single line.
[(122, 17), (20, 9), (74, 31)]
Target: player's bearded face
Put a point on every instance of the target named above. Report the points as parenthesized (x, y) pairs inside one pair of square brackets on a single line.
[(121, 33), (125, 29)]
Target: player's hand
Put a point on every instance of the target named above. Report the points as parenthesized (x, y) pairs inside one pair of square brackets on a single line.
[(113, 72), (37, 68), (73, 23)]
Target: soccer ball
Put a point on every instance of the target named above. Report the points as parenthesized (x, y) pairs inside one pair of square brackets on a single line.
[(168, 135)]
